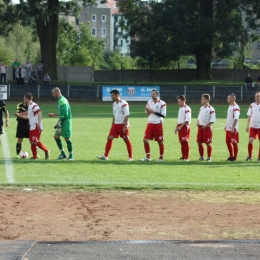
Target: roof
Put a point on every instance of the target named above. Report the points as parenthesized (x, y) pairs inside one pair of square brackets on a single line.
[(113, 6)]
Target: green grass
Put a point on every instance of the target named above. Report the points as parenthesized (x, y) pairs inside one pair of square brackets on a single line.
[(159, 83), (91, 123)]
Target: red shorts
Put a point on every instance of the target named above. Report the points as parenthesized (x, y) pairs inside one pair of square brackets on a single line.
[(232, 137), (154, 132), (254, 133), (184, 134), (204, 135), (117, 130), (34, 135)]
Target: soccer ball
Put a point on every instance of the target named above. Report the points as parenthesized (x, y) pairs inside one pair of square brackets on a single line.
[(23, 155)]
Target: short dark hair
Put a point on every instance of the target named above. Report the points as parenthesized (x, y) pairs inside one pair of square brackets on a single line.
[(115, 92), (29, 96), (182, 97), (232, 95), (207, 96), (156, 91)]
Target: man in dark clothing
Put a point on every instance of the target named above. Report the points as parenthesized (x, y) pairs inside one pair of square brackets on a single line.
[(3, 109), (258, 81), (249, 82)]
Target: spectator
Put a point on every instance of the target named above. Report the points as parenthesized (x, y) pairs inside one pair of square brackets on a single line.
[(34, 78), (39, 69), (15, 65), (28, 68), (249, 82), (20, 74), (47, 79), (258, 81), (3, 72)]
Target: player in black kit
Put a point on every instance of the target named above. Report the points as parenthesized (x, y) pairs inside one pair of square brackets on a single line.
[(3, 109)]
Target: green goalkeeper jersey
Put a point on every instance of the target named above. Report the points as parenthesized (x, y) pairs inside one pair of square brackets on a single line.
[(64, 109)]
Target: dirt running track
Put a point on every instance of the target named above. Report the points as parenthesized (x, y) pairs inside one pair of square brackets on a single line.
[(128, 215)]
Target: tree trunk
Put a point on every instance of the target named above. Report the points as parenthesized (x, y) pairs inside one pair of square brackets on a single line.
[(48, 34), (204, 49)]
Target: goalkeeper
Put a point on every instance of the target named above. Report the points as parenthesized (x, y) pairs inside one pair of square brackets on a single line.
[(64, 125)]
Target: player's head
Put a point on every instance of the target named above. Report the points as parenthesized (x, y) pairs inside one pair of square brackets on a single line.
[(257, 97), (28, 97), (56, 92), (231, 98), (181, 100), (205, 98), (154, 94), (115, 95)]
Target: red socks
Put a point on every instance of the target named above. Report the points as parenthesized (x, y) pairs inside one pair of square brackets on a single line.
[(161, 147), (209, 150), (185, 148), (34, 150), (230, 149), (147, 149), (250, 150), (108, 147), (129, 148), (235, 146), (201, 150), (41, 146)]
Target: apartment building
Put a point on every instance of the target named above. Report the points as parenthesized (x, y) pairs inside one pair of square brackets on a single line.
[(104, 22)]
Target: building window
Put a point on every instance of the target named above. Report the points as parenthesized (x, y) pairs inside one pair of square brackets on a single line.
[(258, 45), (94, 18), (104, 46), (93, 31), (126, 41), (103, 32), (248, 29), (77, 21), (258, 59), (103, 17)]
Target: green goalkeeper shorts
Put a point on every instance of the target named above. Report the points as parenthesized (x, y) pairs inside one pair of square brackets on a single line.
[(66, 130)]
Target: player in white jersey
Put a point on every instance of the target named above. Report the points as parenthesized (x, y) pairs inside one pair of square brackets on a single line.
[(206, 118), (231, 127), (183, 127), (120, 126), (253, 114), (35, 120), (156, 111)]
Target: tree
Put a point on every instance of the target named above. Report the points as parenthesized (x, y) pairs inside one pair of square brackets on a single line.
[(164, 31), (44, 15)]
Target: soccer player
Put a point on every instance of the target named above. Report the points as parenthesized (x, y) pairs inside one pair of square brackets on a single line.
[(120, 125), (206, 118), (64, 126), (183, 127), (156, 111), (35, 120), (254, 131), (23, 127), (231, 128), (3, 109)]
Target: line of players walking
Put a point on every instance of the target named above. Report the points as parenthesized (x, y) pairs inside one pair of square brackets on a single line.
[(156, 111), (29, 125)]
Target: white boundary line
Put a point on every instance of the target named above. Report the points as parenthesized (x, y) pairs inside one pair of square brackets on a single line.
[(8, 161)]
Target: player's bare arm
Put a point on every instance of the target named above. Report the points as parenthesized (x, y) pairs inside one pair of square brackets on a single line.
[(125, 124), (53, 114), (182, 125), (113, 120), (21, 115), (248, 123), (198, 124), (207, 125), (233, 126), (39, 120), (6, 118)]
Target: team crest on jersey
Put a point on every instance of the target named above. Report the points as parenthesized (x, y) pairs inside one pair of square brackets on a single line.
[(131, 91)]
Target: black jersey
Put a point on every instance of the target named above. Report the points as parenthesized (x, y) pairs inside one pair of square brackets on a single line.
[(21, 108), (3, 109)]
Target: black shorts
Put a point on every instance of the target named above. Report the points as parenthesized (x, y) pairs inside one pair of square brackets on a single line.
[(22, 131)]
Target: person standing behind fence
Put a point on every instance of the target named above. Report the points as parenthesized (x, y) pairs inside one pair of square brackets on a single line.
[(39, 70), (3, 72), (20, 74), (15, 66), (249, 82), (34, 78), (47, 79), (28, 68)]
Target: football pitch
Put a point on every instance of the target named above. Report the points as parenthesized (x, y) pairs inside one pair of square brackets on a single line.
[(91, 124)]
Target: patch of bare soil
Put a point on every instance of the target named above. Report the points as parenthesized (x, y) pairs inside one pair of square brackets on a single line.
[(128, 215)]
